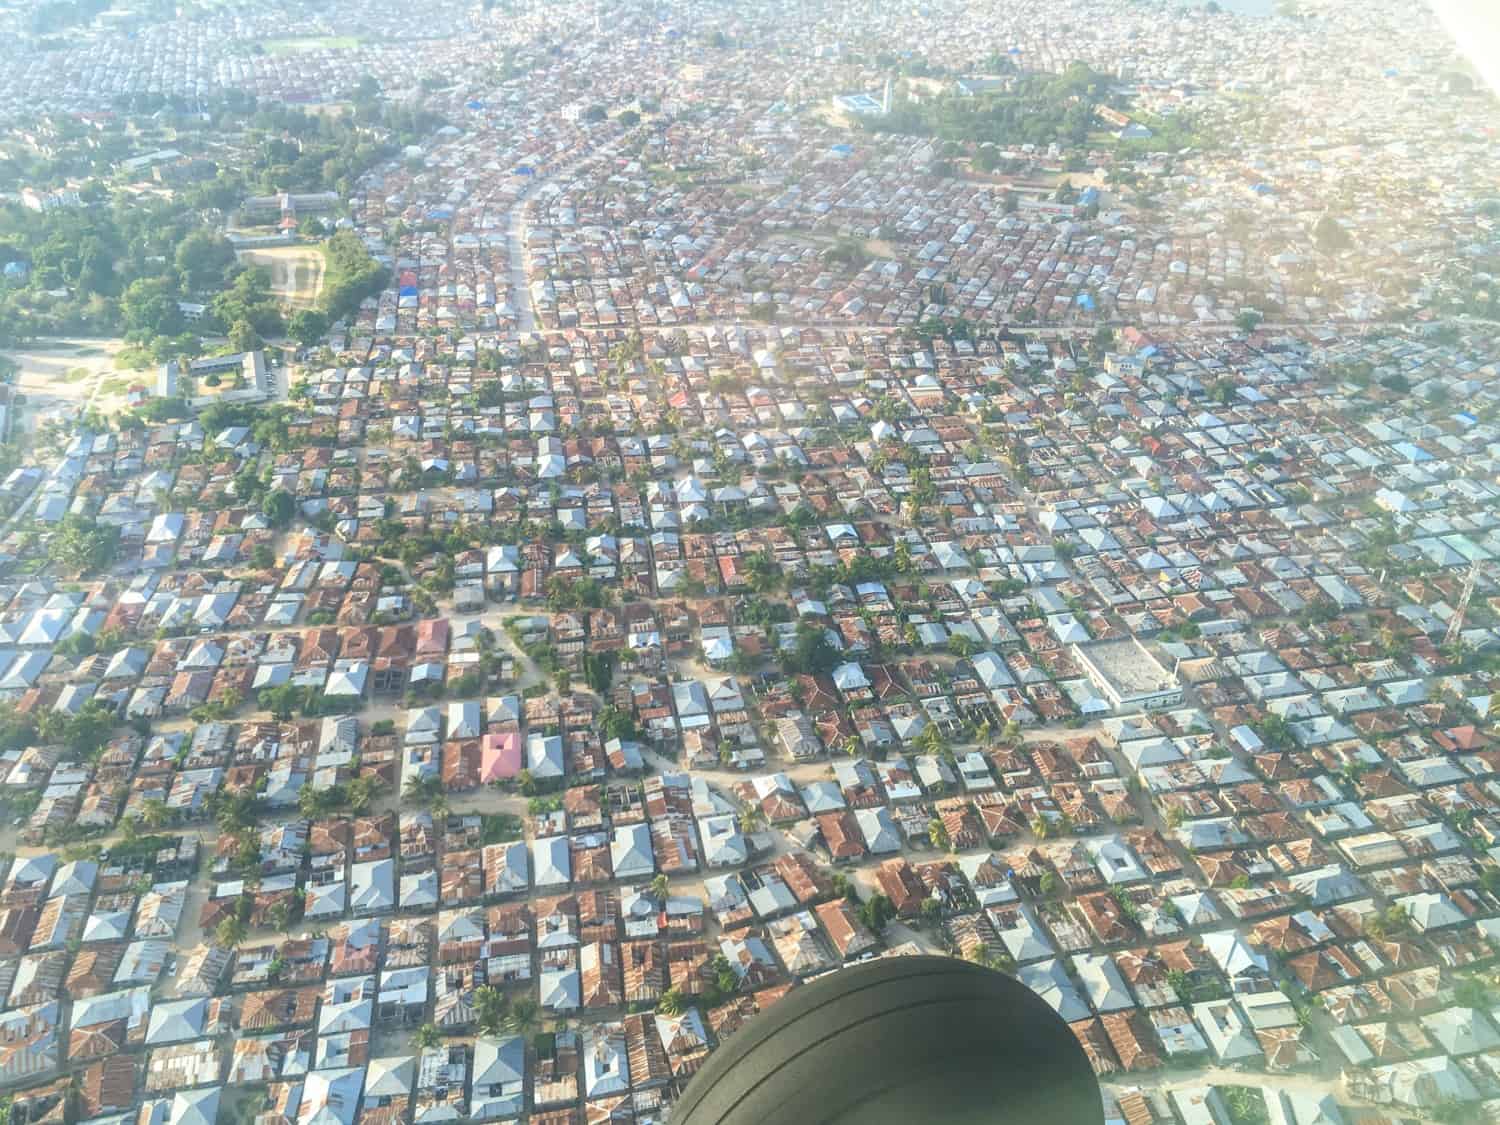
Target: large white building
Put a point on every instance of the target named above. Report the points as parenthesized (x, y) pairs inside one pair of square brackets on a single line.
[(1128, 676)]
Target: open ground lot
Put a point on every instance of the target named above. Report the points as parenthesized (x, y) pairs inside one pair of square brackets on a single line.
[(70, 373), (296, 272)]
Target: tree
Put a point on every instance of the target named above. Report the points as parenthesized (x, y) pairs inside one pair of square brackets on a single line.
[(938, 834), (524, 1018), (428, 1036), (628, 118), (1245, 1103), (149, 308), (229, 933), (725, 977), (1274, 731), (314, 803), (307, 326), (282, 701), (423, 790), (1246, 321), (490, 1010), (1471, 992), (812, 653), (279, 506), (81, 545), (361, 793), (931, 740), (155, 813), (203, 258), (594, 114), (350, 275), (877, 913), (243, 337), (1049, 883), (672, 1002)]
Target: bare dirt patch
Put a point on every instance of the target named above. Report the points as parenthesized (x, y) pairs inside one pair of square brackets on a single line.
[(296, 272), (70, 374)]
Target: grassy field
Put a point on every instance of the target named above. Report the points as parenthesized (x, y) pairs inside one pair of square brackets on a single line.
[(295, 46)]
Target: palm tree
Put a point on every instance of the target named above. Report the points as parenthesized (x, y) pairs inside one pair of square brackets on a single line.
[(524, 1018), (852, 745), (661, 887), (428, 1036), (489, 1009), (672, 1002), (229, 933), (309, 802), (422, 790), (155, 814)]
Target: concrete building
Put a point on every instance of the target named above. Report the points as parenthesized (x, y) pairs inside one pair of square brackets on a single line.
[(1128, 676)]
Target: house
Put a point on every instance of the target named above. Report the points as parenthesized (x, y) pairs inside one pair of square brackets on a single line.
[(1229, 1034), (499, 1077)]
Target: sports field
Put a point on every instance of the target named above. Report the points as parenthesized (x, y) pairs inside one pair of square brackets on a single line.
[(296, 272)]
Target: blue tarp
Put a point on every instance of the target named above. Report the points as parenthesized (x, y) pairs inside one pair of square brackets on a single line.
[(525, 170), (473, 105)]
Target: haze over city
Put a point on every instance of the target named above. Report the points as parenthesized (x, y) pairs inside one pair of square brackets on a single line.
[(530, 531)]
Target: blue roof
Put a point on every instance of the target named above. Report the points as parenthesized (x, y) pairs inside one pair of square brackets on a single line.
[(525, 170), (473, 105), (842, 150), (407, 291), (1085, 301)]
